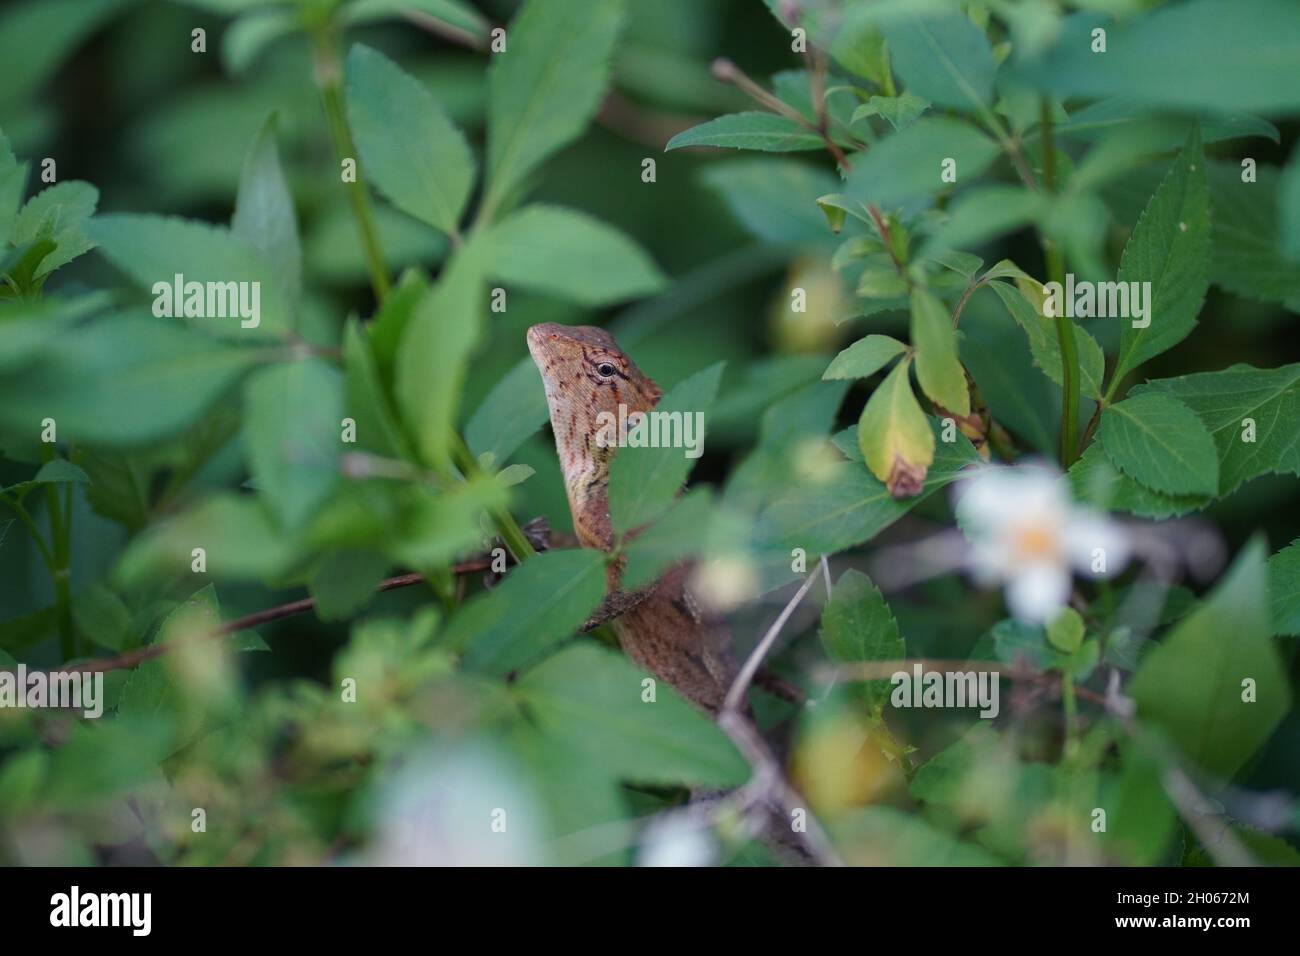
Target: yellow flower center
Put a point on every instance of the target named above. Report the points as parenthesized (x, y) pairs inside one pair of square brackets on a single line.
[(1035, 542)]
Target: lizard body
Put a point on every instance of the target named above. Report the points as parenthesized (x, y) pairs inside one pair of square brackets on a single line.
[(665, 631)]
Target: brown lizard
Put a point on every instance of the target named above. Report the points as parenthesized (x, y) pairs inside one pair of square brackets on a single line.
[(662, 628)]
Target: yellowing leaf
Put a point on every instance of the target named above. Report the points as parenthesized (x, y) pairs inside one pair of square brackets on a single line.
[(894, 436)]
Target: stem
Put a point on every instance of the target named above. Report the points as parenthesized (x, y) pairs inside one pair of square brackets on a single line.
[(60, 540), (328, 77), (1071, 715), (505, 522), (1064, 329)]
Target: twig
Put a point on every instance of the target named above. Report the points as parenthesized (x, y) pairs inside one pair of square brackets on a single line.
[(769, 783), (140, 655)]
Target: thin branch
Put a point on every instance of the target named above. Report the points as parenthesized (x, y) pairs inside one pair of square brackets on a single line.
[(142, 654)]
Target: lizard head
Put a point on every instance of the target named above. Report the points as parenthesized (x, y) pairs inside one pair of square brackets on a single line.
[(587, 377)]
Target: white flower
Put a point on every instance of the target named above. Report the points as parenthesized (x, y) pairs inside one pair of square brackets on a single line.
[(1027, 534), (677, 839)]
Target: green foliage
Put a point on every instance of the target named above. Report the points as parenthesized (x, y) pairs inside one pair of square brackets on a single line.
[(377, 440)]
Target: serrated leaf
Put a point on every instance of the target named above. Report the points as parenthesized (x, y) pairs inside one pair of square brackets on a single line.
[(1170, 249), (766, 132), (857, 625), (944, 58), (1246, 255), (1096, 480), (865, 357), (558, 588), (900, 111), (1046, 347), (1191, 684), (1284, 590), (644, 481), (60, 214), (293, 436), (570, 255), (1157, 440), (1225, 400), (547, 85), (410, 150), (937, 367), (603, 715)]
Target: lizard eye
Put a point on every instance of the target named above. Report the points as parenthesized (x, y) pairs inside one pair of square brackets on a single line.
[(605, 370)]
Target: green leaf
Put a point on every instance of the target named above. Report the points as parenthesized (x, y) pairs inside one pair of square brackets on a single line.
[(944, 58), (125, 380), (900, 111), (264, 216), (1065, 632), (849, 506), (1170, 249), (410, 150), (13, 186), (1096, 480), (865, 357), (1046, 347), (937, 367), (767, 132), (603, 715), (59, 213), (570, 255), (1191, 684), (1240, 403), (540, 603), (857, 626), (1289, 208), (154, 249), (775, 199), (512, 413), (366, 400), (1284, 590), (1157, 440), (546, 86), (644, 481), (1160, 58), (253, 32), (677, 535), (435, 347), (59, 471), (293, 421), (238, 538), (910, 163), (345, 582), (1246, 255), (458, 13)]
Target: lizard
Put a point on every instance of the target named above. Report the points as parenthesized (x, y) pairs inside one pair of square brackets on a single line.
[(662, 627)]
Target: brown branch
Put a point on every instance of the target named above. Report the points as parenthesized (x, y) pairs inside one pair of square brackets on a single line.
[(769, 783), (142, 654)]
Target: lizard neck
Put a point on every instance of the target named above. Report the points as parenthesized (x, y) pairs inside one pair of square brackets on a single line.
[(586, 482)]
